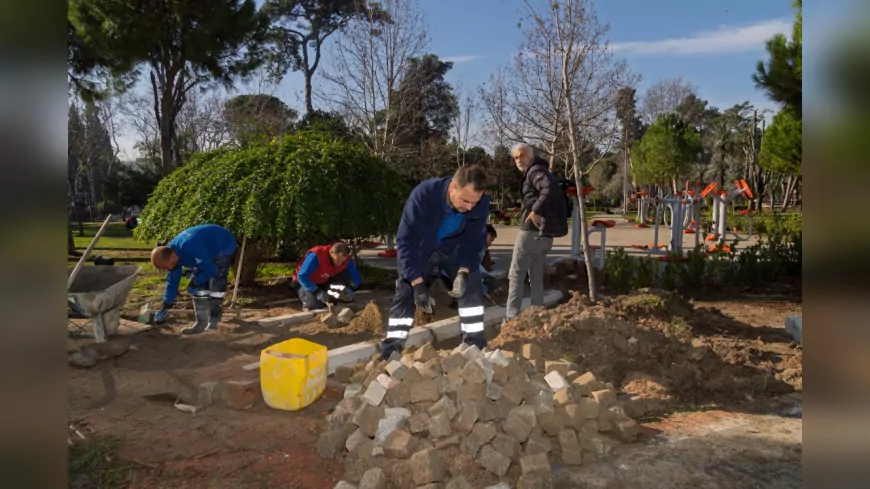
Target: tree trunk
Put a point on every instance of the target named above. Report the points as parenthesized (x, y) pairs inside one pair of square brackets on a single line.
[(788, 191), (166, 134), (70, 242), (309, 107), (250, 262)]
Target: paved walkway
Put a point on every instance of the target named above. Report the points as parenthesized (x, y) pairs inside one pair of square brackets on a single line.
[(623, 235)]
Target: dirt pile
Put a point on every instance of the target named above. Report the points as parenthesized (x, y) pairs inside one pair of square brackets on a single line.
[(471, 419), (660, 351), (369, 320)]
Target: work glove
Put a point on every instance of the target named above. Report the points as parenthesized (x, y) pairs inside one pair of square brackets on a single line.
[(459, 285), (422, 299), (162, 313), (346, 295)]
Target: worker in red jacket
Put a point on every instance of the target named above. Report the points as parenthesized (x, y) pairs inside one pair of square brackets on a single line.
[(326, 275)]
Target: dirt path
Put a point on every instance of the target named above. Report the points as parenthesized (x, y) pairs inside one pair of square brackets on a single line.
[(261, 447), (710, 450)]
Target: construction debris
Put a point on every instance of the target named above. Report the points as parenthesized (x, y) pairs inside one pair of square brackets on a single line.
[(466, 418)]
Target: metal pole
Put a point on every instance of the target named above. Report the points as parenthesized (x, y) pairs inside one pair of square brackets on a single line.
[(78, 267)]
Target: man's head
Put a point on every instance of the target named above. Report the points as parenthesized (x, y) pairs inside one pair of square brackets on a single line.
[(467, 187), (164, 258), (490, 235), (523, 155), (340, 252)]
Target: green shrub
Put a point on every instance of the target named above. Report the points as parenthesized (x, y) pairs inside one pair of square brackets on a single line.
[(304, 189)]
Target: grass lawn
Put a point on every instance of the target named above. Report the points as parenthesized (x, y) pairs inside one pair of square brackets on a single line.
[(117, 242), (115, 237)]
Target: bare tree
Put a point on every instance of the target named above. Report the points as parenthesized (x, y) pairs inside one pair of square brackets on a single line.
[(370, 58), (466, 120), (590, 79), (200, 124), (525, 100), (663, 97)]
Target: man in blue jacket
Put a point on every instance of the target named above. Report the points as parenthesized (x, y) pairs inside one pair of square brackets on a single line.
[(206, 252), (443, 228)]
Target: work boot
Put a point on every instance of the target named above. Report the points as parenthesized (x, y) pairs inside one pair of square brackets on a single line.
[(216, 305), (201, 310)]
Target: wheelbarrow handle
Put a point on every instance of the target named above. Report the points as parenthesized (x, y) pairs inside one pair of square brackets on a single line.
[(78, 267)]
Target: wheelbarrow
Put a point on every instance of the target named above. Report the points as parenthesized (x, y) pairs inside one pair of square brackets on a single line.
[(98, 292)]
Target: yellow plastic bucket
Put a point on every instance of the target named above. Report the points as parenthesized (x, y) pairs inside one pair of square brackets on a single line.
[(293, 374)]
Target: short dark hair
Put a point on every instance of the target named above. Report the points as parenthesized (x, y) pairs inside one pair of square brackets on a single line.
[(341, 248), (491, 231), (473, 175)]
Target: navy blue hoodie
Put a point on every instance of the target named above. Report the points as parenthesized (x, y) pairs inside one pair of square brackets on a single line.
[(417, 236)]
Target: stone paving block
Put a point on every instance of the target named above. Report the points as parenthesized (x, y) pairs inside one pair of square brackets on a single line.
[(444, 405), (482, 434), (419, 423), (331, 442), (507, 446), (439, 426), (400, 444), (570, 446), (374, 478), (467, 416), (427, 467), (423, 391), (343, 373), (367, 417), (396, 370), (243, 394), (374, 394), (493, 461), (535, 462), (399, 395)]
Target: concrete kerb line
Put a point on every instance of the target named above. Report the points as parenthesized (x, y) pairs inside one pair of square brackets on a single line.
[(438, 330)]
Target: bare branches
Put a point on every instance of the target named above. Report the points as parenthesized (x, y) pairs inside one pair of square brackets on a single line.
[(663, 97), (370, 58)]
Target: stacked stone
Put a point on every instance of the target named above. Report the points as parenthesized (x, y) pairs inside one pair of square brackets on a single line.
[(498, 407)]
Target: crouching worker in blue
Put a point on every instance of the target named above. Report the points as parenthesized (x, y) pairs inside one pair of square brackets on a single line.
[(206, 252), (442, 229), (326, 275)]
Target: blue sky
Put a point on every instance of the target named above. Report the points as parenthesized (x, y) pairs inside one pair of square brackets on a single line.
[(714, 44)]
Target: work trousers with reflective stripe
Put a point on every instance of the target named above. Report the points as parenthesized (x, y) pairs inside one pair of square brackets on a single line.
[(333, 288), (402, 309), (216, 287)]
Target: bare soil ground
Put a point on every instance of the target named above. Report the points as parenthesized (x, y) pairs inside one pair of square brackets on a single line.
[(686, 357)]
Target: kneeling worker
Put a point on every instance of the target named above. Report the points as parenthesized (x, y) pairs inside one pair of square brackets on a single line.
[(207, 252), (327, 274), (443, 228)]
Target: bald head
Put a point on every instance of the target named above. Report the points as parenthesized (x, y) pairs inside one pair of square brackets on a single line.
[(163, 258)]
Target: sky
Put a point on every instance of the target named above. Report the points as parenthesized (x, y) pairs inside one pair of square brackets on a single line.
[(713, 44)]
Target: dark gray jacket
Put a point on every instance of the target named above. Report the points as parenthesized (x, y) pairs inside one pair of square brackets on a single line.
[(542, 195)]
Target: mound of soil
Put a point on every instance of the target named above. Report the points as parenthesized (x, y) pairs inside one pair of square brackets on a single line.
[(658, 349), (369, 320)]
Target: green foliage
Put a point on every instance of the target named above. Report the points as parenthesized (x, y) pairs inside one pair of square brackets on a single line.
[(330, 123), (782, 146), (131, 184), (779, 254), (619, 270), (667, 149), (255, 116), (302, 190), (782, 77), (180, 44)]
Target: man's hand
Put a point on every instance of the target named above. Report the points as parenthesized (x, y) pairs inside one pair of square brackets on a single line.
[(162, 313), (536, 219), (346, 295), (422, 299), (459, 284)]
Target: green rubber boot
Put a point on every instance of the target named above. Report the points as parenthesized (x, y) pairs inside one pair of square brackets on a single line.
[(201, 310)]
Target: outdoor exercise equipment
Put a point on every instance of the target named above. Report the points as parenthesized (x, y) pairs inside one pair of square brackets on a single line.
[(719, 228), (691, 210), (596, 226)]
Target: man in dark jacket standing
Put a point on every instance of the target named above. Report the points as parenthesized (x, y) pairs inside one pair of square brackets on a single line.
[(545, 216), (443, 228)]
